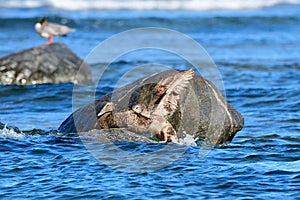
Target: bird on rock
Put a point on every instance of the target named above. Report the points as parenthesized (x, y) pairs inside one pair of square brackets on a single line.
[(153, 118), (49, 30)]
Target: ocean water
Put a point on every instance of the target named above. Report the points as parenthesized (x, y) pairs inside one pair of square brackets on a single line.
[(256, 47)]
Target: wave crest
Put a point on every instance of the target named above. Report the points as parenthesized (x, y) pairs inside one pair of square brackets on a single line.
[(10, 132), (197, 5)]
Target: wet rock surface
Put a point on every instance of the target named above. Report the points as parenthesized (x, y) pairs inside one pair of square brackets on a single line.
[(53, 63), (113, 135), (202, 111)]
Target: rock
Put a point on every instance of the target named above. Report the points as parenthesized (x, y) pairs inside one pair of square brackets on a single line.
[(113, 135), (202, 111), (2, 125), (53, 63)]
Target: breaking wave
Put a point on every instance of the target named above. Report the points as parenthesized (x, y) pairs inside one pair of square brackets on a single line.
[(9, 132), (197, 5)]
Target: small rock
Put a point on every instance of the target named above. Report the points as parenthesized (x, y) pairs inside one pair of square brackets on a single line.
[(53, 63)]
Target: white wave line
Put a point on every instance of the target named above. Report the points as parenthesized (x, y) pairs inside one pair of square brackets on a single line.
[(148, 4)]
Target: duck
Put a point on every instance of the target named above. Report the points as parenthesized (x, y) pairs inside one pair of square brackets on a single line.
[(141, 110), (109, 117), (106, 119), (49, 30), (152, 118), (178, 80), (166, 95)]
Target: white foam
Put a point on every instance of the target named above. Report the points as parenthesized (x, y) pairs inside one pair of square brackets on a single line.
[(5, 132), (22, 4), (188, 140), (200, 5)]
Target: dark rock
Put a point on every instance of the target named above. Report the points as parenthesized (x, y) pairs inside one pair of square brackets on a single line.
[(202, 112), (53, 63)]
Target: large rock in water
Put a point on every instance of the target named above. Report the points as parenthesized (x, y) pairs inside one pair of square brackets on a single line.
[(53, 63), (202, 110)]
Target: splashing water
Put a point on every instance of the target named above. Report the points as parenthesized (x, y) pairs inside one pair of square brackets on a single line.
[(9, 132)]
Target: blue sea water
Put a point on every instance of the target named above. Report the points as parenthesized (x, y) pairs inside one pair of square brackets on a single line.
[(257, 51)]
